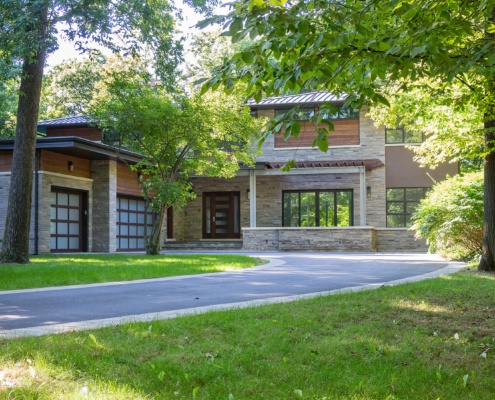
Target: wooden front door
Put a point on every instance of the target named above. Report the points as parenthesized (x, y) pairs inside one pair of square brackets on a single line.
[(221, 215)]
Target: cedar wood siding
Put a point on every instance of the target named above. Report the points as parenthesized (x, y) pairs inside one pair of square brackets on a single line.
[(345, 133), (6, 161), (90, 133), (126, 182), (59, 163)]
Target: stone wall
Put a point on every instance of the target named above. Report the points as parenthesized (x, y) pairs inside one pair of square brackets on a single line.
[(399, 239), (356, 239)]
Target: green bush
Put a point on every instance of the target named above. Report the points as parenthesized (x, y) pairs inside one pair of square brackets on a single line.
[(451, 217)]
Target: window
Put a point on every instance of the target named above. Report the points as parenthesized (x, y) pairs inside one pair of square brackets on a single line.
[(401, 135), (401, 204), (318, 208), (130, 223), (305, 114)]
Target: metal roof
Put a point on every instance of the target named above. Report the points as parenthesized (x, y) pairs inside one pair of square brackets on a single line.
[(295, 99), (368, 164), (77, 120)]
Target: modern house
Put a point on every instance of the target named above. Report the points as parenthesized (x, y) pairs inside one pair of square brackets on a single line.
[(358, 196)]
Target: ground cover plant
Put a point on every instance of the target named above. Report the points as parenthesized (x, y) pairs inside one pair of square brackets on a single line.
[(59, 270), (428, 340)]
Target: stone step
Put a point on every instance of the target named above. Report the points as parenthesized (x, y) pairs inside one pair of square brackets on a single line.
[(204, 245)]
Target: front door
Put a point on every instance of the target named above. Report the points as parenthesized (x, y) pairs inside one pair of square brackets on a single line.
[(221, 215), (68, 220)]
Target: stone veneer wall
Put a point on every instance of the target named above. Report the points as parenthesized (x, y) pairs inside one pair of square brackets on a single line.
[(104, 205), (361, 239), (399, 239)]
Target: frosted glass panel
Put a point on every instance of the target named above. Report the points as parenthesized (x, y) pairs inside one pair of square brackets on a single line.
[(74, 229), (140, 218), (74, 214), (63, 213), (63, 199), (133, 205), (53, 243), (132, 218), (124, 204), (63, 243), (124, 243), (74, 200), (53, 198), (124, 230), (133, 243), (62, 228), (53, 228), (73, 243), (132, 230), (53, 213)]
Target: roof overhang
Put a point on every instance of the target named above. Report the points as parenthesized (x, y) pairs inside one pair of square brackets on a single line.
[(79, 147)]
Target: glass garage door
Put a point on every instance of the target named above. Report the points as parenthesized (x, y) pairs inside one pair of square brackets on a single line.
[(67, 227), (131, 222)]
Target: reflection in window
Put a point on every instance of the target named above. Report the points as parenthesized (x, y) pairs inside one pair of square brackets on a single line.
[(318, 208), (401, 204), (401, 135)]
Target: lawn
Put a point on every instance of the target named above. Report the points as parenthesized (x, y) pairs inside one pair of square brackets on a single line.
[(60, 270), (433, 339)]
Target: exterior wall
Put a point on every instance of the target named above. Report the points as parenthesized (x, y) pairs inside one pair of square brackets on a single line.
[(325, 239), (126, 182), (5, 161), (47, 180), (90, 133), (104, 205), (372, 145), (399, 239), (332, 239), (403, 171), (59, 163)]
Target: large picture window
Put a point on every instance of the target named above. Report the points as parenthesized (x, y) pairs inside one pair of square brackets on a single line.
[(131, 222), (308, 208), (401, 135), (401, 204), (305, 114)]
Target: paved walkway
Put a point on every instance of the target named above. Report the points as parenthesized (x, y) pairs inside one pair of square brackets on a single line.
[(287, 277)]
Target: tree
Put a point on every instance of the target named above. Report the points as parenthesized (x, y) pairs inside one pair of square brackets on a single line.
[(28, 34), (451, 217), (358, 48), (7, 108), (68, 88), (179, 135)]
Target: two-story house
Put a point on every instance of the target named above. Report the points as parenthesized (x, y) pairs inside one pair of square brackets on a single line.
[(358, 196)]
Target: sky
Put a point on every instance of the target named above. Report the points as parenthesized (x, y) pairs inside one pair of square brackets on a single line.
[(67, 51)]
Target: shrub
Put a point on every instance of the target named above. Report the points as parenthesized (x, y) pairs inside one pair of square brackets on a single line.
[(451, 217)]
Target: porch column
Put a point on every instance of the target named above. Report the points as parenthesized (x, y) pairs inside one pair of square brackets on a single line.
[(362, 196), (252, 198)]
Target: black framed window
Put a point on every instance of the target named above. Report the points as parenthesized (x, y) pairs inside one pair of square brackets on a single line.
[(310, 208), (131, 214), (401, 204), (400, 135), (305, 114)]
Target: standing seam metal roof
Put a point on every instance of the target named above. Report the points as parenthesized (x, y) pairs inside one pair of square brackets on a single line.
[(78, 120), (304, 98)]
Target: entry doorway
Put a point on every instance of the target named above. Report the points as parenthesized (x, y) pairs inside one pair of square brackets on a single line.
[(221, 215)]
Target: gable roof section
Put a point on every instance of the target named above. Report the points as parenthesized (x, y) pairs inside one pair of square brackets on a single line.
[(312, 98), (79, 147)]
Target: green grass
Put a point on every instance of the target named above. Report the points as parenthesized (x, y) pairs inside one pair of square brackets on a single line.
[(60, 270), (424, 340)]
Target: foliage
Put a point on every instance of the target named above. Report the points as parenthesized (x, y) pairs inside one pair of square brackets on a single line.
[(451, 217), (8, 106), (61, 270), (180, 136), (452, 127), (68, 88), (414, 341)]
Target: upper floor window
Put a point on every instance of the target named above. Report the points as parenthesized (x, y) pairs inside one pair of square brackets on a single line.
[(401, 204), (305, 114), (401, 135), (317, 208)]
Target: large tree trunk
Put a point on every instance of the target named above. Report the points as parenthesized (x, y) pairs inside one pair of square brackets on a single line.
[(15, 246), (487, 262)]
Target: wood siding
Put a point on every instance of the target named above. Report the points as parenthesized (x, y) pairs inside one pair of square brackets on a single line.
[(346, 133), (59, 163), (90, 133), (5, 161), (126, 182)]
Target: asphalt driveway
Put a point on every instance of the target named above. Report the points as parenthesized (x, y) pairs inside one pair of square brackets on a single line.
[(288, 276)]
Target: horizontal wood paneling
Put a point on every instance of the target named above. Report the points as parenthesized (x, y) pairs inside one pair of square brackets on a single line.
[(90, 133), (346, 133), (59, 163), (126, 181), (5, 161)]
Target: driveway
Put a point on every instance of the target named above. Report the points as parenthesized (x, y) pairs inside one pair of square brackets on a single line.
[(288, 276)]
